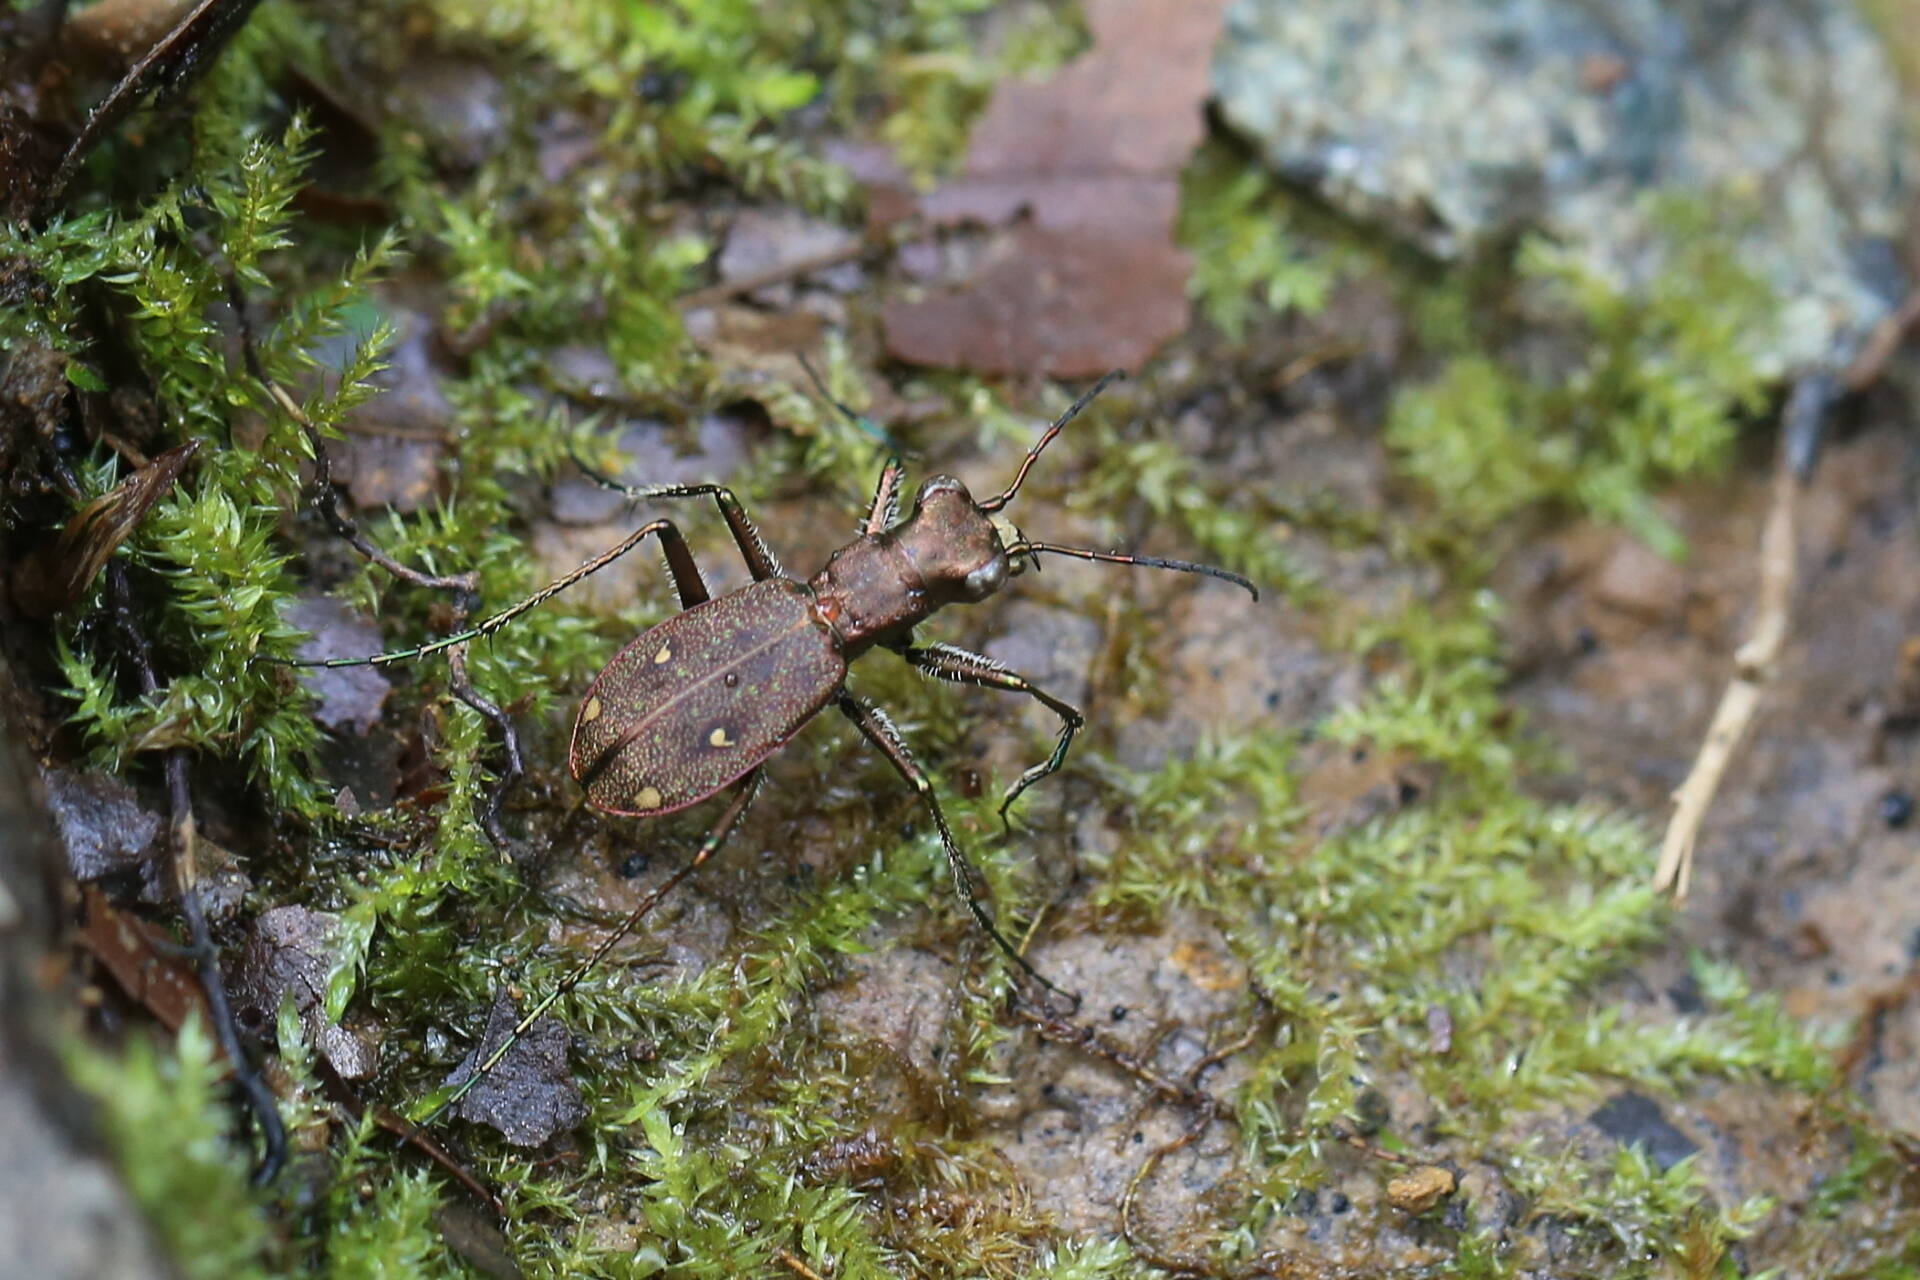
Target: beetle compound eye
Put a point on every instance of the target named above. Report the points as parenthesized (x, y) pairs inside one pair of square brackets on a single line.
[(987, 579)]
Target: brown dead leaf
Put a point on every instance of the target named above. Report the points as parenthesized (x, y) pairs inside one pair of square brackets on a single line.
[(52, 579), (1082, 174), (180, 55), (143, 959)]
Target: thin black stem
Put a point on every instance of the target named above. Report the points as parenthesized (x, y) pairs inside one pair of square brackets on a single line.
[(326, 500), (183, 839), (513, 769), (464, 586)]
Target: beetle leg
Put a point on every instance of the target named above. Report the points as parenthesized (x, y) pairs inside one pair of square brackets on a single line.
[(949, 662), (761, 562), (686, 579), (885, 508), (880, 731), (743, 793)]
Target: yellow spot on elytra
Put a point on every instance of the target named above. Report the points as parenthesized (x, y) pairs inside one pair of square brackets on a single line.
[(647, 798), (665, 655), (719, 738), (590, 712)]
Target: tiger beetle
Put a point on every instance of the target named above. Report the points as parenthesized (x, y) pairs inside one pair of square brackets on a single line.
[(696, 705)]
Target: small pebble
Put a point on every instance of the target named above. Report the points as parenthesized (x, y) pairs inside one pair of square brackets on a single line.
[(1896, 809), (1421, 1189)]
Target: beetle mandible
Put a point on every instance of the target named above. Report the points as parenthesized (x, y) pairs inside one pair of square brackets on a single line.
[(695, 705)]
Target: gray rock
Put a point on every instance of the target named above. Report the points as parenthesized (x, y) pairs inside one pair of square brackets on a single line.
[(63, 1213), (1456, 121)]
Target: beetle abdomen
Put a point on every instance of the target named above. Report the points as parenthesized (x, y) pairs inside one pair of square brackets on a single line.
[(697, 701)]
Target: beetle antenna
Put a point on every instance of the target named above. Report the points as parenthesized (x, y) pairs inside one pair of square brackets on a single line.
[(1030, 548), (1073, 411), (860, 421)]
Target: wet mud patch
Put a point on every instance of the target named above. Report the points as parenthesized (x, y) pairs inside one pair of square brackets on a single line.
[(1805, 872)]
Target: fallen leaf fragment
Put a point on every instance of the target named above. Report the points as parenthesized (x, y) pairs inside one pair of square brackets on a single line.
[(530, 1096), (1081, 172), (144, 961), (289, 953), (181, 55), (51, 580)]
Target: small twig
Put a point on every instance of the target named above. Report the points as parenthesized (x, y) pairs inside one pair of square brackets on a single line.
[(1305, 363), (1872, 1024), (1063, 1031), (1146, 1248), (326, 500), (778, 274), (1360, 1144), (1257, 1024), (343, 1095), (1189, 1093), (184, 841), (796, 1266), (1881, 344), (1753, 668), (514, 769)]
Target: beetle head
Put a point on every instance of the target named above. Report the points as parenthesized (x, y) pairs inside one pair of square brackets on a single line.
[(956, 545)]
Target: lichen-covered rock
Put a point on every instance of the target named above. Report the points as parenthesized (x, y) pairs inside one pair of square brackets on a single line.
[(1454, 122)]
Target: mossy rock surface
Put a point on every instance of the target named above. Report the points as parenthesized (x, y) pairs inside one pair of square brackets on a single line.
[(1353, 880)]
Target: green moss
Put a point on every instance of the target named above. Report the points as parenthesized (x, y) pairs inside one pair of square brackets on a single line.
[(381, 1219), (1205, 829), (1647, 386), (211, 541), (165, 1113), (1648, 1216), (1439, 698), (1252, 252), (1505, 916)]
